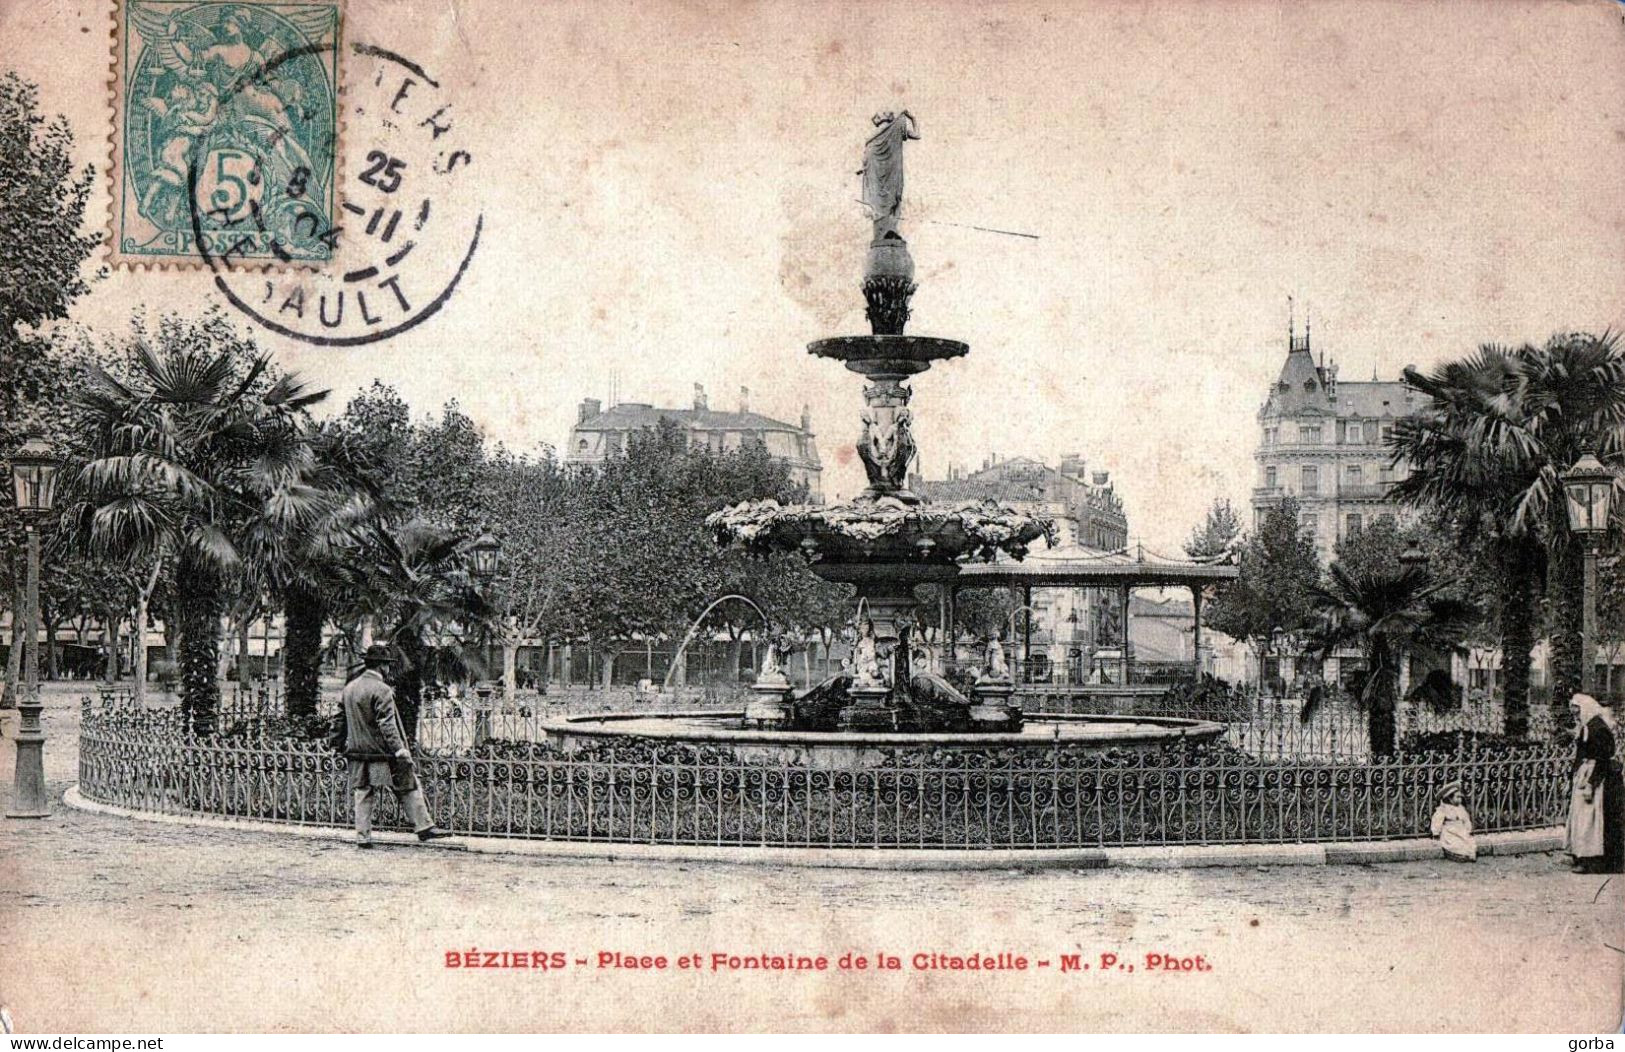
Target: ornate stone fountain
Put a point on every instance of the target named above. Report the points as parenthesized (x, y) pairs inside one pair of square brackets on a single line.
[(888, 540)]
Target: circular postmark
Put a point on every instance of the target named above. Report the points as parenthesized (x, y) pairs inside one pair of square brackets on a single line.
[(398, 237)]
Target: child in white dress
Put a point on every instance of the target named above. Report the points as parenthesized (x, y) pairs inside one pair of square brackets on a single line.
[(1454, 826)]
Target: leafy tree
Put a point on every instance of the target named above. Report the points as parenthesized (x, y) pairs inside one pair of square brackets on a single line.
[(654, 565), (42, 209), (1273, 596), (529, 504), (1217, 533), (1389, 612)]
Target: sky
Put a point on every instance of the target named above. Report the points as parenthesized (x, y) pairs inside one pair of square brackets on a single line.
[(669, 198)]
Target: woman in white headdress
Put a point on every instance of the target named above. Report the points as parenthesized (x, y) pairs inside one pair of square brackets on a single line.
[(1596, 827)]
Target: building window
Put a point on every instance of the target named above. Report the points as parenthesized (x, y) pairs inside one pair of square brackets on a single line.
[(1309, 433), (1351, 526), (1354, 474), (1309, 523), (1311, 480), (1387, 433), (1356, 433), (1386, 519), (1385, 473), (581, 446), (1269, 478)]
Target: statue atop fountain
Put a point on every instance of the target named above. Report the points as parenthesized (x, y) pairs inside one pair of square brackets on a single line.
[(882, 170), (888, 276)]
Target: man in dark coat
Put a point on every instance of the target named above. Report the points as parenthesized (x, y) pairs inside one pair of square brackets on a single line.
[(375, 744)]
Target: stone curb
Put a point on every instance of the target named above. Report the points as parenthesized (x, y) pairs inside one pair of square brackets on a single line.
[(1181, 857)]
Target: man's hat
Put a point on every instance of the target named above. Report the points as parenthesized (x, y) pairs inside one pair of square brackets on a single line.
[(378, 654)]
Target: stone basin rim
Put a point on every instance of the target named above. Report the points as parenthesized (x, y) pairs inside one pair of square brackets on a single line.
[(1162, 729)]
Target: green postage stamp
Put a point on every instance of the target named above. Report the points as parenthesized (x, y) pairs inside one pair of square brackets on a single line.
[(225, 131)]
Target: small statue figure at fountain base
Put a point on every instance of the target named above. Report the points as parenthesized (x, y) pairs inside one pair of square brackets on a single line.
[(773, 707)]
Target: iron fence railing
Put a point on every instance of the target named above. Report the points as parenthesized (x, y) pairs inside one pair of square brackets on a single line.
[(1294, 728), (638, 791)]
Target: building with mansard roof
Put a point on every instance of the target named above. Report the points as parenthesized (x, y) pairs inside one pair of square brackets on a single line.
[(1323, 441), (1085, 506), (600, 433)]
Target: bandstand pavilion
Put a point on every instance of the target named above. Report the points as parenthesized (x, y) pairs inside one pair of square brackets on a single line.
[(1117, 573)]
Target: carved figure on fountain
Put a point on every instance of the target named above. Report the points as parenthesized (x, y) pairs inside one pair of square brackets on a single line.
[(886, 448), (866, 671), (996, 669)]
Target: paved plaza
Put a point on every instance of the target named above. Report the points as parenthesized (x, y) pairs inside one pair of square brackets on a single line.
[(118, 924)]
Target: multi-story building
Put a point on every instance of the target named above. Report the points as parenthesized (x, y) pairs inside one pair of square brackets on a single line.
[(1085, 507), (601, 433), (1324, 442)]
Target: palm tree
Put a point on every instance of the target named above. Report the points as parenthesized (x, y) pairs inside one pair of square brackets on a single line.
[(413, 583), (1389, 614), (1488, 451), (342, 500), (199, 458), (1570, 399), (1458, 471)]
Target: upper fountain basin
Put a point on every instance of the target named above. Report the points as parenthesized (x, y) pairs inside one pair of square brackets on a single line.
[(882, 529), (887, 355)]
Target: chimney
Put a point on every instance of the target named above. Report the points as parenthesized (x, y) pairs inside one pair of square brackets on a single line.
[(590, 407), (806, 418), (699, 397), (744, 399), (1103, 478)]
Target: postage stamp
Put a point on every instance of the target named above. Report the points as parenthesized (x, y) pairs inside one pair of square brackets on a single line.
[(225, 131)]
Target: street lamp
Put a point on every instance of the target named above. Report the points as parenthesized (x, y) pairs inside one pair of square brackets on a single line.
[(33, 480), (1588, 488), (487, 551)]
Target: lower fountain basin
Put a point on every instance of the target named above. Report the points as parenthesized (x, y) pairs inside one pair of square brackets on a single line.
[(859, 750)]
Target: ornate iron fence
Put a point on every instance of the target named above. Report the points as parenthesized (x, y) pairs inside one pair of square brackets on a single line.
[(642, 792), (1290, 728)]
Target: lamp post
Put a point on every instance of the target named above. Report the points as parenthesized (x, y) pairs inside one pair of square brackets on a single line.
[(487, 553), (1589, 490), (33, 480)]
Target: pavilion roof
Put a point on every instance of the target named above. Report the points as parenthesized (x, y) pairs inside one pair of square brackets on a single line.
[(1079, 566)]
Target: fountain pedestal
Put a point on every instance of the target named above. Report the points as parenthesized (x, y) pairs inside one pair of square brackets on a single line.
[(993, 709), (869, 711), (773, 706)]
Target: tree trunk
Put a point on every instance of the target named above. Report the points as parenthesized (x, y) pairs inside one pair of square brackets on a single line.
[(52, 671), (138, 655), (409, 684), (198, 606), (510, 660), (110, 638), (304, 612), (1517, 636), (14, 657), (1565, 585), (1380, 715), (244, 676)]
